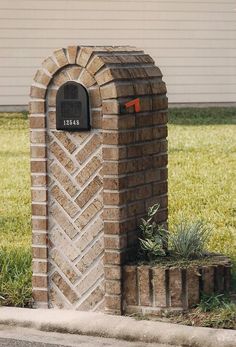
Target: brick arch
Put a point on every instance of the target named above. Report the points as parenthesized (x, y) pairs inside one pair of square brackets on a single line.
[(131, 148)]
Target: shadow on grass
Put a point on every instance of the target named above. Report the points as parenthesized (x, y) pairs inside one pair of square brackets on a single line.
[(202, 116)]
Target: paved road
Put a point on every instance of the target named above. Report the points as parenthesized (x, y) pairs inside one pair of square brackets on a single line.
[(24, 337)]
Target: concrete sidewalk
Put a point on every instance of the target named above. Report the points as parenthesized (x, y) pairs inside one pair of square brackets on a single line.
[(123, 328)]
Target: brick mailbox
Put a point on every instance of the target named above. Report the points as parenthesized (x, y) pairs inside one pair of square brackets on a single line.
[(98, 160)]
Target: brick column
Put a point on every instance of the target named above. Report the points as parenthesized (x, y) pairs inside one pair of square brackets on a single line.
[(108, 176)]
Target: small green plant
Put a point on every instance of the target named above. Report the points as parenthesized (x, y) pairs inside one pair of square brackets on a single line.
[(188, 241), (213, 302), (154, 237)]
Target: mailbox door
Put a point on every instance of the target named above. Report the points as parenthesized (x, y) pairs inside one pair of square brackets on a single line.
[(72, 107)]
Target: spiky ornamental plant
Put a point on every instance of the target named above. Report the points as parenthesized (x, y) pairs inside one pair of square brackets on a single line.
[(188, 240), (153, 237)]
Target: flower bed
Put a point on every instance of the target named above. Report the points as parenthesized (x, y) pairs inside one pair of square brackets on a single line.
[(148, 289)]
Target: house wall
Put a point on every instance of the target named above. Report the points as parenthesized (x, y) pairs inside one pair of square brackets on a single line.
[(193, 42)]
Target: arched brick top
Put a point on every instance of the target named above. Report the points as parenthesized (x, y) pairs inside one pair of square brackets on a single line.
[(133, 147)]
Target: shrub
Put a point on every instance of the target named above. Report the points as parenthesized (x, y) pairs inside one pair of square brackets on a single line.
[(154, 237), (188, 241)]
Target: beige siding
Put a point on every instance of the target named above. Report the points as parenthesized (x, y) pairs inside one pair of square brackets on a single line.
[(193, 42)]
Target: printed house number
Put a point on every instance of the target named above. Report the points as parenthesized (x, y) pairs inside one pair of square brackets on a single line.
[(71, 122)]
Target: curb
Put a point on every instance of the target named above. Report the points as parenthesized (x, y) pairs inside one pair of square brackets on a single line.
[(123, 328)]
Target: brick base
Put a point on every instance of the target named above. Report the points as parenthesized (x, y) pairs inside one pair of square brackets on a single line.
[(147, 289)]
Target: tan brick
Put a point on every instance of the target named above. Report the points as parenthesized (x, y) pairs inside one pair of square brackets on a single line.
[(113, 287), (136, 208), (61, 78), (144, 134), (115, 90), (72, 54), (114, 153), (193, 292), (152, 175), (90, 279), (39, 224), (74, 72), (62, 157), (39, 281), (143, 192), (144, 285), (159, 132), (113, 257), (38, 166), (39, 267), (89, 148), (116, 228), (95, 64), (134, 151), (119, 122), (42, 78), (93, 299), (144, 120), (175, 285), (61, 58), (114, 198), (38, 93), (39, 195), (40, 252), (130, 285), (38, 152), (136, 179), (95, 97), (159, 102), (89, 191), (69, 145), (50, 65), (37, 122), (38, 180), (142, 87), (118, 137), (86, 79), (37, 107), (64, 288), (96, 119), (89, 235), (112, 272), (114, 168), (113, 304), (160, 188), (60, 240), (111, 106), (89, 213), (84, 55), (115, 242), (39, 209), (114, 183), (38, 137), (160, 117), (63, 179), (159, 287), (158, 87), (51, 97), (63, 221), (91, 255), (51, 120), (114, 213), (39, 239), (40, 295), (65, 203), (153, 71), (64, 266), (91, 167)]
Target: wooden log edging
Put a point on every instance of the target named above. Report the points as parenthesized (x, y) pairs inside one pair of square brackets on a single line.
[(149, 289)]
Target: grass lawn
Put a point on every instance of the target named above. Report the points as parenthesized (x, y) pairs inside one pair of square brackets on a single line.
[(202, 166)]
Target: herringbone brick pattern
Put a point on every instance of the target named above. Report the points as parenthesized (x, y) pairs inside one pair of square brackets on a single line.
[(76, 247)]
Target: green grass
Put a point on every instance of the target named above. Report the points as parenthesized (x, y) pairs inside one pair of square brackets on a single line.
[(202, 166), (202, 172), (15, 232)]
